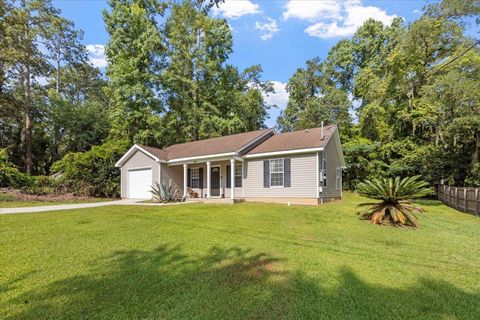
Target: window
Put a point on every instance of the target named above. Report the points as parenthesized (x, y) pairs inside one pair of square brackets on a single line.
[(195, 178), (276, 173), (338, 181), (238, 175)]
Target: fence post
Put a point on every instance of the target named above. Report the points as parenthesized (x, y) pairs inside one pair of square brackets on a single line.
[(455, 191), (477, 203)]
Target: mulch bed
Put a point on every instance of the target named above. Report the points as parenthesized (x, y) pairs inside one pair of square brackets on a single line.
[(19, 195)]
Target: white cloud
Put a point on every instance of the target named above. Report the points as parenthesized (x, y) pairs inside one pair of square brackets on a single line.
[(417, 11), (280, 97), (333, 18), (267, 29), (311, 10), (97, 55), (236, 8)]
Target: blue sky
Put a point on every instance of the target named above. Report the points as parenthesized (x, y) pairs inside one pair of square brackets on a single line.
[(278, 35)]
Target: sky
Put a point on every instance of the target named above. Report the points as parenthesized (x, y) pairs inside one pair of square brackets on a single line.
[(278, 35)]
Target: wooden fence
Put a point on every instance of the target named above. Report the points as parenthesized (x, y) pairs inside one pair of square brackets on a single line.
[(464, 199)]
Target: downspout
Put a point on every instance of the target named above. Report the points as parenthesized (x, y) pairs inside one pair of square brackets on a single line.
[(159, 172), (322, 178), (322, 137)]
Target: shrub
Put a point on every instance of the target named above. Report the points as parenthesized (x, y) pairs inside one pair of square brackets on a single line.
[(41, 185), (93, 172), (164, 192), (10, 176)]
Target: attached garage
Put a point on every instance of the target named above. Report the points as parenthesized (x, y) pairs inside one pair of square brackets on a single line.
[(139, 183), (139, 170)]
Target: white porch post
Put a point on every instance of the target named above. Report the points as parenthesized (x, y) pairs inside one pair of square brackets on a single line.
[(232, 179), (185, 175), (209, 165)]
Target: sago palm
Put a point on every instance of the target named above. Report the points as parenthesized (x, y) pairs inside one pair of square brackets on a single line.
[(395, 194)]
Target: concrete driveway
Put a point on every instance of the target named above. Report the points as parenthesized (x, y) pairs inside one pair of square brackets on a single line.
[(67, 206)]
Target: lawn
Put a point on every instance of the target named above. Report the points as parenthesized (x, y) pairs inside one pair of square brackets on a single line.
[(246, 261), (8, 201)]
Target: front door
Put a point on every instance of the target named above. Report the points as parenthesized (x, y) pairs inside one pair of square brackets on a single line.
[(215, 181)]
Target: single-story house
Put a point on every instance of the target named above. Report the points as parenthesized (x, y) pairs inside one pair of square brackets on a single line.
[(302, 166)]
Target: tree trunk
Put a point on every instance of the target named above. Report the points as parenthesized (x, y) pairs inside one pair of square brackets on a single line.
[(58, 71), (27, 103), (27, 117)]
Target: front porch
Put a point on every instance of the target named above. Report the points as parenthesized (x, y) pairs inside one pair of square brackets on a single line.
[(218, 180)]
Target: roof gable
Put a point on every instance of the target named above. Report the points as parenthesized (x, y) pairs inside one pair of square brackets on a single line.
[(140, 148), (295, 140)]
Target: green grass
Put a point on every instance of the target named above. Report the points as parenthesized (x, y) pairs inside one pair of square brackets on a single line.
[(246, 261), (8, 201)]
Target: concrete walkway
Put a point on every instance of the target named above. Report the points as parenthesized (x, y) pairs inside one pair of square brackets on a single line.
[(66, 206), (127, 202)]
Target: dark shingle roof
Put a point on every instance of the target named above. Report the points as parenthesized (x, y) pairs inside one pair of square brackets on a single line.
[(157, 152), (225, 144), (301, 139)]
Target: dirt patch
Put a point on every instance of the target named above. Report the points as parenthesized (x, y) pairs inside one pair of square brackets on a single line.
[(19, 195)]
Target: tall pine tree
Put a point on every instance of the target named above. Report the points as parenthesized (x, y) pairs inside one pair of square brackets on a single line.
[(136, 55)]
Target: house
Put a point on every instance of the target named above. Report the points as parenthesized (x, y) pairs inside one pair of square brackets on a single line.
[(302, 167)]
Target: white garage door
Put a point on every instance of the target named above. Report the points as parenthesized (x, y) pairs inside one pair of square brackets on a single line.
[(139, 184)]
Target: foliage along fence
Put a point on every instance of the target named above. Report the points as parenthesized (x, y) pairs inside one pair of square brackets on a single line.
[(464, 199)]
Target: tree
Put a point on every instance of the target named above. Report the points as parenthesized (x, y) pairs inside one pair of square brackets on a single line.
[(198, 45), (314, 98), (25, 25), (205, 96), (415, 88), (136, 55), (64, 46), (77, 118)]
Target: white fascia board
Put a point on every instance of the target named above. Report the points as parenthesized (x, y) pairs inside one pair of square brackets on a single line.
[(279, 153), (201, 158), (130, 152)]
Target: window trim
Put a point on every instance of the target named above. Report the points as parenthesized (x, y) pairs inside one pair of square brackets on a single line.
[(198, 178), (240, 176), (283, 172)]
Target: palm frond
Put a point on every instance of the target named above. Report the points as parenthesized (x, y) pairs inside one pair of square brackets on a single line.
[(395, 194)]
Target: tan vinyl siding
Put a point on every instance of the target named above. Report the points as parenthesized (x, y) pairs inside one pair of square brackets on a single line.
[(137, 160), (303, 178), (333, 162), (176, 174)]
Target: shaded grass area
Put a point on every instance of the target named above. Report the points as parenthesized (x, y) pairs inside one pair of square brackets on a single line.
[(235, 262), (9, 201)]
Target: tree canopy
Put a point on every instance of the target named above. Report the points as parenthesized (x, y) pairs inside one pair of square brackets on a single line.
[(412, 90)]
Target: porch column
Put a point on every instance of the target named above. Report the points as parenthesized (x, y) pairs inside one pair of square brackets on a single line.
[(232, 179), (185, 175), (209, 165)]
